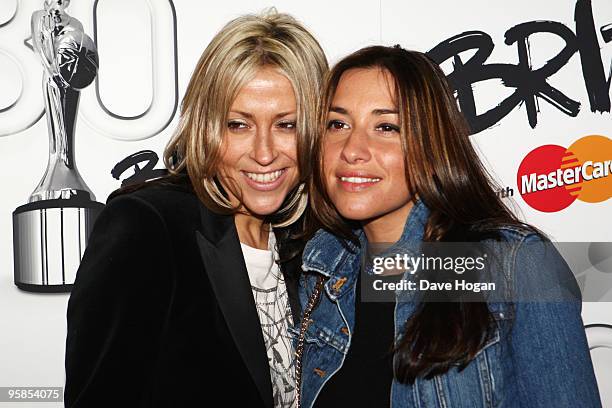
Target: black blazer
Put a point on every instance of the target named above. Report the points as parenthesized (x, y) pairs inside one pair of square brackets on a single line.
[(162, 313)]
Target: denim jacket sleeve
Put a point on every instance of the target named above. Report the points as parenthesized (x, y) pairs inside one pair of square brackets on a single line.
[(548, 341)]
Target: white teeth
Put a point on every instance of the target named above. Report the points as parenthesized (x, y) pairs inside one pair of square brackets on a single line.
[(359, 179), (264, 177)]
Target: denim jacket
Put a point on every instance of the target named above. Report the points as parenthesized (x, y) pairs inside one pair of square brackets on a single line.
[(537, 356)]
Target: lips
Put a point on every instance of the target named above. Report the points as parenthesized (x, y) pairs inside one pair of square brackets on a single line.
[(265, 181), (357, 180)]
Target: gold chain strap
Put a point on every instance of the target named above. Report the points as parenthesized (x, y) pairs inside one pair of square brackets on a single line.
[(299, 351)]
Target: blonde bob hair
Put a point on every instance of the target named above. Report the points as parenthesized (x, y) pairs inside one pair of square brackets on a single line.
[(232, 59)]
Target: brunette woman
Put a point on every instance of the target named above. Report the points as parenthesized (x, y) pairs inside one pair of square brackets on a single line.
[(394, 164)]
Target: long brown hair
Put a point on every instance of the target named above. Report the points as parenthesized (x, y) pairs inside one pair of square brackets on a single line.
[(444, 172)]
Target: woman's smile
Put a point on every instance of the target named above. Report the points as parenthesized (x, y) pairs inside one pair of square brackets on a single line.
[(354, 181), (265, 181)]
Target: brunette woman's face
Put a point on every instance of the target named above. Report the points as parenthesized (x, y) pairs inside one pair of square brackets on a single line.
[(259, 149), (363, 161)]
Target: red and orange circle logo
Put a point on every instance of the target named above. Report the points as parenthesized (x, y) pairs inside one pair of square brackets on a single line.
[(551, 177)]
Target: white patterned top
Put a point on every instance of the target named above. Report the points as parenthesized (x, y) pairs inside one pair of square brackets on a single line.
[(272, 302)]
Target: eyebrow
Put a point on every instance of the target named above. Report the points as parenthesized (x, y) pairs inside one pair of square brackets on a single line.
[(385, 112), (338, 109), (250, 115), (377, 112)]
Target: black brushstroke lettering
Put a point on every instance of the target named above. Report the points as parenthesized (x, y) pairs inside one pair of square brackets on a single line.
[(474, 70), (140, 174), (531, 84), (598, 88), (606, 32)]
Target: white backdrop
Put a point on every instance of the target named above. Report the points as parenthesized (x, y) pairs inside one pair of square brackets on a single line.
[(145, 44)]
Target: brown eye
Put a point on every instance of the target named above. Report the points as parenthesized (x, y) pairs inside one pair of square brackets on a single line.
[(336, 125), (236, 125), (290, 125), (387, 128)]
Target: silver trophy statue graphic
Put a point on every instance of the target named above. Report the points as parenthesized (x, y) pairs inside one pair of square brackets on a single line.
[(50, 232)]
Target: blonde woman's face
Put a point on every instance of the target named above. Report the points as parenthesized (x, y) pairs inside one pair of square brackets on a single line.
[(259, 150)]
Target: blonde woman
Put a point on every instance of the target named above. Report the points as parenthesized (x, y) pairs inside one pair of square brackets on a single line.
[(188, 285)]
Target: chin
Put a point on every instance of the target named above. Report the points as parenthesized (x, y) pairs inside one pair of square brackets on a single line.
[(357, 212), (263, 209)]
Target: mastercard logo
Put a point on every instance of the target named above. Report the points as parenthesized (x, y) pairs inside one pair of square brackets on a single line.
[(551, 177)]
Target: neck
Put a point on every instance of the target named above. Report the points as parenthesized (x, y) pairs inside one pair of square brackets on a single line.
[(389, 227), (252, 231)]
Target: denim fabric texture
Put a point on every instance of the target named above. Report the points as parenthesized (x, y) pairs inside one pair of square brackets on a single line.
[(538, 354)]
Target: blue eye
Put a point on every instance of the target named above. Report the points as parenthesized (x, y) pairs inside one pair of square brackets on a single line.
[(336, 125)]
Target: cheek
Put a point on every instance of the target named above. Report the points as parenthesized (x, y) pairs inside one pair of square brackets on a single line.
[(330, 155), (287, 144), (394, 165), (230, 152)]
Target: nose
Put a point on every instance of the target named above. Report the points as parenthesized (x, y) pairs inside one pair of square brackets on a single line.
[(356, 148), (264, 151)]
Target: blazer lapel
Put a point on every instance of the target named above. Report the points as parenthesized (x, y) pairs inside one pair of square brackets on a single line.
[(224, 263), (291, 273)]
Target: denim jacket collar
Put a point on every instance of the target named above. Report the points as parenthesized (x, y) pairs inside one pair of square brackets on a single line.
[(412, 236), (326, 254)]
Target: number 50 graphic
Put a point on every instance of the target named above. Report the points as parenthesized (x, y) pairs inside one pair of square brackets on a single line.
[(21, 102)]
